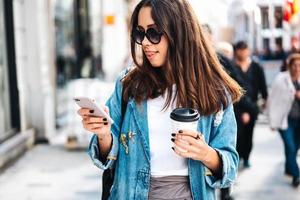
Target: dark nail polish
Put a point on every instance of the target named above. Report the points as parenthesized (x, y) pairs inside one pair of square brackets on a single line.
[(173, 134), (104, 119), (173, 148), (172, 139), (180, 131), (91, 111), (105, 123)]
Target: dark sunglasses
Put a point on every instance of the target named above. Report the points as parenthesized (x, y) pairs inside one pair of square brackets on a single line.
[(151, 34)]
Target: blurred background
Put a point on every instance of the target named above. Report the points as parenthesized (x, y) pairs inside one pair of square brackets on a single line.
[(53, 50)]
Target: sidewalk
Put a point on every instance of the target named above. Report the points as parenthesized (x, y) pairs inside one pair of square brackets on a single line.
[(265, 179), (51, 173)]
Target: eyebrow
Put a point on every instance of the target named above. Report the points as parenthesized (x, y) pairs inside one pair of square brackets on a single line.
[(149, 26)]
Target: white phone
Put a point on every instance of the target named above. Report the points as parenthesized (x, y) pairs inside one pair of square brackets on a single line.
[(85, 102)]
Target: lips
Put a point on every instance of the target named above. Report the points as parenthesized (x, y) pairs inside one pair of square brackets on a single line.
[(150, 54)]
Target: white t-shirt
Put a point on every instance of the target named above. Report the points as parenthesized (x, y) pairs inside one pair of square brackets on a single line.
[(164, 161)]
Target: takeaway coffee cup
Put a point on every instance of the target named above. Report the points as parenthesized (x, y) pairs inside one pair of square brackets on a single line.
[(184, 118)]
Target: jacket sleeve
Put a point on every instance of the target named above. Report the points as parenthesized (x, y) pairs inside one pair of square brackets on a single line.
[(262, 83), (114, 105), (280, 94), (247, 105), (223, 140)]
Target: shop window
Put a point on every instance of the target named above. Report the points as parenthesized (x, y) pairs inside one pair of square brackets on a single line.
[(265, 17), (9, 99), (267, 54), (279, 53), (278, 16)]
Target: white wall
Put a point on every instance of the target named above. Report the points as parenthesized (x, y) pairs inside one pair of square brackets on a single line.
[(115, 38), (214, 13), (35, 65), (95, 9)]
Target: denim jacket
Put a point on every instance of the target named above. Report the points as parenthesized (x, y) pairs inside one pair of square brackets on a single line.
[(130, 151)]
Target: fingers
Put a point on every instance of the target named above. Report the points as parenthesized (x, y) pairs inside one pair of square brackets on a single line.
[(189, 133), (186, 146), (93, 126), (85, 111), (189, 144), (94, 120), (88, 117), (98, 128), (106, 109), (189, 136), (183, 153)]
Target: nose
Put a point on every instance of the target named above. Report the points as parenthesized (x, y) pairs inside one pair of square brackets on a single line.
[(146, 42)]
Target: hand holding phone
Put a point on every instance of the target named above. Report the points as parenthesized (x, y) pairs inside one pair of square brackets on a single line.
[(85, 102)]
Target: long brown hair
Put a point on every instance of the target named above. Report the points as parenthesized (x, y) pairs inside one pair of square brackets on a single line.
[(191, 65)]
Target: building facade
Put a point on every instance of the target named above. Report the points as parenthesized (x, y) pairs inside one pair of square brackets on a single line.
[(45, 45), (261, 24)]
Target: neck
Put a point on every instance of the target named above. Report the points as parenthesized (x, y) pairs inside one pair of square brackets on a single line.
[(294, 77), (244, 64), (246, 60)]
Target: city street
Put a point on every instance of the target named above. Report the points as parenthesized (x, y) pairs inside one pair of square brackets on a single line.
[(52, 173), (53, 52), (265, 178)]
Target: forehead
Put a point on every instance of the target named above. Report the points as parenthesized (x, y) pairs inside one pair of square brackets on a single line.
[(144, 18), (242, 50), (296, 62)]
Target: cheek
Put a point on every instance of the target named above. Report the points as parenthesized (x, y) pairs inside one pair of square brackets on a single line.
[(164, 47)]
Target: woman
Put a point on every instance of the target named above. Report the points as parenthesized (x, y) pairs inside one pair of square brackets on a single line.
[(284, 113), (177, 68)]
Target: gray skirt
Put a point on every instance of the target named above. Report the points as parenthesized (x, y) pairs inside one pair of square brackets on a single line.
[(170, 188)]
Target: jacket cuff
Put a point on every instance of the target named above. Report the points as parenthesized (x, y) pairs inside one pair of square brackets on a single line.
[(94, 153), (225, 180)]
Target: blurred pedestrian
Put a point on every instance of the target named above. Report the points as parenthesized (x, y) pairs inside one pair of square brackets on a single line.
[(225, 49), (252, 79), (178, 69), (295, 48), (284, 113)]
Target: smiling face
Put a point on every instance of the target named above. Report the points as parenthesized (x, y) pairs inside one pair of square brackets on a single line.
[(155, 53)]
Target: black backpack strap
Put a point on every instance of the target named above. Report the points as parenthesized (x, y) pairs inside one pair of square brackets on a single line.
[(124, 103)]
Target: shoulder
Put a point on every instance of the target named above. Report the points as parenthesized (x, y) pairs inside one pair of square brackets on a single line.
[(282, 76), (257, 65), (281, 79), (126, 71)]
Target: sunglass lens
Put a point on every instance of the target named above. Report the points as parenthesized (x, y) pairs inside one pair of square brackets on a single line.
[(153, 35), (138, 36)]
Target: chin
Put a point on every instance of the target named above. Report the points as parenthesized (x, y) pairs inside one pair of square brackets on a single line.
[(155, 66)]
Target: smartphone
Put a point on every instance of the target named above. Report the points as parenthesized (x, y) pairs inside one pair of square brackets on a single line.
[(85, 102)]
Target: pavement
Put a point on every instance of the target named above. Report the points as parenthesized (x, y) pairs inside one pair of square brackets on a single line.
[(49, 172), (265, 179)]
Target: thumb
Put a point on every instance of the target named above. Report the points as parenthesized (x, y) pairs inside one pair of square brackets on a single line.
[(106, 109)]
